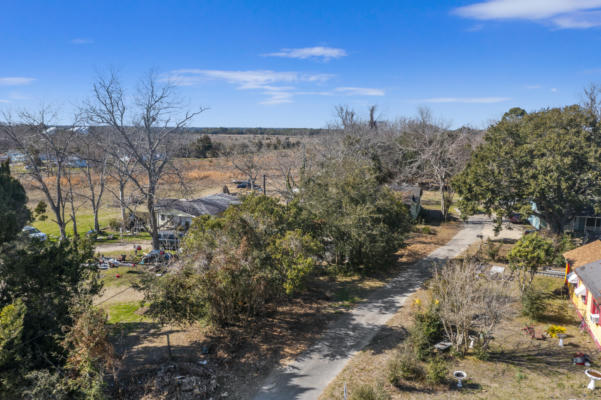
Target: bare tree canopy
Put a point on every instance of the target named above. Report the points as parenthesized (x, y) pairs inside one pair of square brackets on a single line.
[(144, 128), (46, 150)]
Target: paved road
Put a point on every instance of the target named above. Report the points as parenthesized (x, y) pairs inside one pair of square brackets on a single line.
[(308, 375)]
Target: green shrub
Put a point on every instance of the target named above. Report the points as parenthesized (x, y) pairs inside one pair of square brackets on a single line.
[(114, 224), (492, 250), (362, 223), (426, 331), (436, 371), (426, 230), (235, 266), (481, 353), (533, 304), (404, 366), (369, 392)]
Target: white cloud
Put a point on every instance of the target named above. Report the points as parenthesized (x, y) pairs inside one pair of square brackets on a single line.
[(4, 101), (325, 53), (533, 86), (81, 41), (473, 100), (257, 79), (581, 20), (15, 81), (358, 91), (554, 90), (278, 97), (276, 85), (561, 13)]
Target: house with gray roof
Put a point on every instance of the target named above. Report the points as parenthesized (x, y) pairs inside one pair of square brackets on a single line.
[(178, 213)]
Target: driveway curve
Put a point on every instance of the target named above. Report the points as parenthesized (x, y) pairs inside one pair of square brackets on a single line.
[(307, 376)]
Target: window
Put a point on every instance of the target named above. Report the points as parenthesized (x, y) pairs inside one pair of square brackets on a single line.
[(595, 311), (594, 307)]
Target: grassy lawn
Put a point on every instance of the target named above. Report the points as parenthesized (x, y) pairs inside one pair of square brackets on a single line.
[(130, 238), (85, 222), (128, 276), (518, 367), (431, 201), (125, 312)]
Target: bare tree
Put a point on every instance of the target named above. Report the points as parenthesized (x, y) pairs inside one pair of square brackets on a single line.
[(291, 165), (145, 129), (247, 160), (46, 150), (469, 301), (70, 199), (373, 124), (592, 99), (121, 168), (432, 152), (93, 160)]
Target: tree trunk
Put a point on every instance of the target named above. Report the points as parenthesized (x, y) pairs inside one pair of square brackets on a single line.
[(443, 203), (154, 231), (96, 224), (75, 233), (122, 202)]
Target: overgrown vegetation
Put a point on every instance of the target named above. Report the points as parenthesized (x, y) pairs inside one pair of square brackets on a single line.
[(49, 334), (250, 259), (369, 392)]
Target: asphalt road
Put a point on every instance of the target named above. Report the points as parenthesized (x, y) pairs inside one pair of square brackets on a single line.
[(308, 375)]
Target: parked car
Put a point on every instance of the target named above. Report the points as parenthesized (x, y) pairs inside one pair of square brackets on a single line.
[(246, 185), (517, 218), (156, 256), (34, 233)]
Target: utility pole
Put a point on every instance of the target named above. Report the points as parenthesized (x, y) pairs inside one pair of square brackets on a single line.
[(264, 189)]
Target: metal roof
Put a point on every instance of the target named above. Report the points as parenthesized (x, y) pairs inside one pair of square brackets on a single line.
[(210, 205), (590, 275)]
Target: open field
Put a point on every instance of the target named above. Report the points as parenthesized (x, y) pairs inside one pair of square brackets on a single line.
[(201, 177)]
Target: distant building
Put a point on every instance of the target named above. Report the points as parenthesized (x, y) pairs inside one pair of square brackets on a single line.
[(178, 213), (587, 222), (411, 196)]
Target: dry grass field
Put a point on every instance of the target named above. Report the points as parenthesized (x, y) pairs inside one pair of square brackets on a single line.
[(200, 177), (517, 368)]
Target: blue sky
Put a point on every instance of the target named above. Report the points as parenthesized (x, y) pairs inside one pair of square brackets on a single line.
[(287, 64)]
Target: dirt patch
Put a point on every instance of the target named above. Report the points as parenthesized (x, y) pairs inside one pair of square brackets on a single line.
[(118, 294), (123, 247), (419, 244)]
